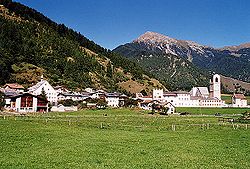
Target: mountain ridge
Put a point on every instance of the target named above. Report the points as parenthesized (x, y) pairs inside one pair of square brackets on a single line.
[(231, 63)]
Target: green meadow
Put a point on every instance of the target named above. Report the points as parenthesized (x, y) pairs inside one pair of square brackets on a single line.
[(212, 111), (122, 138)]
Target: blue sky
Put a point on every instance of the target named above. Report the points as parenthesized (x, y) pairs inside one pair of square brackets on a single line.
[(111, 23)]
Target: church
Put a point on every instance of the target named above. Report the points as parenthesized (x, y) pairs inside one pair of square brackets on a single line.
[(197, 97)]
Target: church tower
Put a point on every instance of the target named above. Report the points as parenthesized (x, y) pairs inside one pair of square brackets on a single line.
[(215, 87)]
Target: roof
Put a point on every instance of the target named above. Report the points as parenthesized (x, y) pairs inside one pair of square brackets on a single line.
[(148, 97), (14, 86), (202, 90), (169, 103), (174, 93), (9, 93), (112, 95), (169, 94), (24, 94), (73, 94), (39, 84), (239, 96), (149, 101), (123, 95)]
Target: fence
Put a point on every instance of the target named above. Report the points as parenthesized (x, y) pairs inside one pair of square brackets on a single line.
[(92, 122)]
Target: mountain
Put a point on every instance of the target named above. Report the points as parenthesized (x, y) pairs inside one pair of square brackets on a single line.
[(153, 51), (229, 61), (231, 85), (32, 44)]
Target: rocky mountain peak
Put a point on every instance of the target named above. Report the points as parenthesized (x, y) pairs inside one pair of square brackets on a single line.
[(236, 48), (154, 37)]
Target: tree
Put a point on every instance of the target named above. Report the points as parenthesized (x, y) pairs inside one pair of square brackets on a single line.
[(110, 70), (2, 101), (101, 104), (130, 102), (144, 93), (43, 94)]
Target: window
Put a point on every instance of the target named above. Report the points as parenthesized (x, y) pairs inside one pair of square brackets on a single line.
[(216, 79), (27, 101)]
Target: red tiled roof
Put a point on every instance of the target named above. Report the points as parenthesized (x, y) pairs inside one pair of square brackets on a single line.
[(14, 86), (147, 97), (239, 96)]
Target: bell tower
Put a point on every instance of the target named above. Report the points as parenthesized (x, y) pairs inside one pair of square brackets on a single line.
[(215, 87)]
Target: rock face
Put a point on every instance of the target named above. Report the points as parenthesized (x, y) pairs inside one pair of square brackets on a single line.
[(231, 61)]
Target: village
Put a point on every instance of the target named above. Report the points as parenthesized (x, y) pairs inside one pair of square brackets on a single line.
[(43, 97)]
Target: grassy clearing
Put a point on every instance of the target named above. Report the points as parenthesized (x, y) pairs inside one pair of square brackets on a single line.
[(227, 99), (128, 139)]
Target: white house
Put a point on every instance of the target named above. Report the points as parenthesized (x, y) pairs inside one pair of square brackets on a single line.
[(178, 98), (158, 94), (97, 94), (49, 90), (239, 100), (112, 99), (60, 89), (73, 96), (62, 108), (171, 108)]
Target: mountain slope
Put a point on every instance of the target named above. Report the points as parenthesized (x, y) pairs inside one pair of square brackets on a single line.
[(175, 71), (230, 61), (31, 44)]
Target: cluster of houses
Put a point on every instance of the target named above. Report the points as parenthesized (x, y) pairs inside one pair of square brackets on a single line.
[(32, 101), (197, 97)]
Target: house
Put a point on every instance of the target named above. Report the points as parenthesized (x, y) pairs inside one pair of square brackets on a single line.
[(239, 100), (27, 102), (112, 99), (122, 100), (62, 108), (14, 87), (89, 90), (60, 89), (171, 108), (98, 94), (73, 96), (49, 90), (7, 96), (148, 105), (140, 96), (177, 98)]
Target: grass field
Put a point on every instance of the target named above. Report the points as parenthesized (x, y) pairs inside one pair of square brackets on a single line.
[(121, 138), (212, 111)]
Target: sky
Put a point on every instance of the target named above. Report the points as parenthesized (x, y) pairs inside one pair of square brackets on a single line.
[(111, 23)]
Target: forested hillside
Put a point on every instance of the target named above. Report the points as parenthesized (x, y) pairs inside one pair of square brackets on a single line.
[(175, 72), (31, 45), (151, 48)]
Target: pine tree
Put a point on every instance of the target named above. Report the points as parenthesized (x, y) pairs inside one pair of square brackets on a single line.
[(110, 70), (2, 101), (43, 94)]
